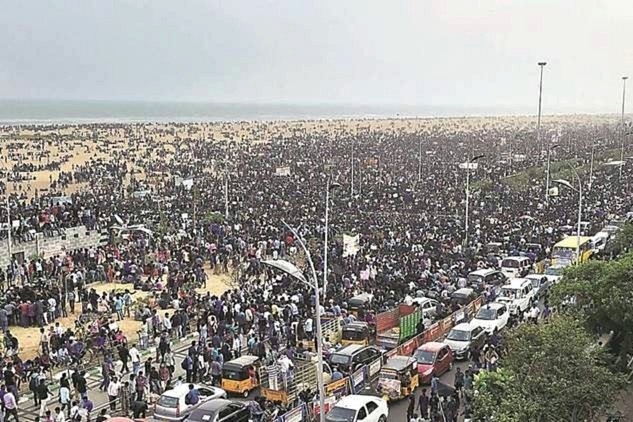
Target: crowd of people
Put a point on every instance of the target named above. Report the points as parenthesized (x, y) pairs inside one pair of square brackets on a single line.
[(399, 187)]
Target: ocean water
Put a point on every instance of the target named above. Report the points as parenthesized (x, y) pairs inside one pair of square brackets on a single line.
[(45, 112)]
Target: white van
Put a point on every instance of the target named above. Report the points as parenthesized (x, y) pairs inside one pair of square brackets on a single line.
[(516, 266), (517, 295), (599, 241)]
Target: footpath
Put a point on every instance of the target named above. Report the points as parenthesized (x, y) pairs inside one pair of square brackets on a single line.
[(27, 411)]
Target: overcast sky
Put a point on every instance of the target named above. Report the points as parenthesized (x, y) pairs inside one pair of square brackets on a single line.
[(440, 52)]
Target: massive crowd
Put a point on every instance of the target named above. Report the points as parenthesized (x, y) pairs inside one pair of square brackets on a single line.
[(402, 190)]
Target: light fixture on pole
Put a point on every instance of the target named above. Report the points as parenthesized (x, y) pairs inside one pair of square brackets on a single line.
[(624, 78), (329, 186), (540, 96), (470, 163), (548, 174), (580, 198), (292, 270)]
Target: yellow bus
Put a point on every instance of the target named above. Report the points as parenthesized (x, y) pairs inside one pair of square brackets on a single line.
[(564, 252)]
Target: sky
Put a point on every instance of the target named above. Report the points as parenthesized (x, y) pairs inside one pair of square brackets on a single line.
[(440, 52)]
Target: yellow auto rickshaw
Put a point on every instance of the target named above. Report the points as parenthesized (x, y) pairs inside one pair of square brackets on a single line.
[(240, 375), (398, 378), (356, 333), (361, 301)]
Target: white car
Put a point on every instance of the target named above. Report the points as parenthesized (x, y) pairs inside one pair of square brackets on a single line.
[(516, 266), (491, 316), (554, 273), (357, 408), (426, 305), (517, 295)]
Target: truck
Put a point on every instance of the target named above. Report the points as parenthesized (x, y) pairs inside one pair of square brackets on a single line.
[(286, 389), (396, 326)]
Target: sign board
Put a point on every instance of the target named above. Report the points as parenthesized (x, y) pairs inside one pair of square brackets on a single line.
[(351, 245)]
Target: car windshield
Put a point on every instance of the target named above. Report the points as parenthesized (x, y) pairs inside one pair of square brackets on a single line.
[(487, 314), (167, 401), (558, 271), (234, 375), (510, 263), (474, 278), (458, 335), (353, 335), (337, 359), (425, 357), (511, 292), (340, 414)]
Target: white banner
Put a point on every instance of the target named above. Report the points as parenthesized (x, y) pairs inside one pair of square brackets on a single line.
[(351, 245), (553, 191), (282, 171), (472, 166)]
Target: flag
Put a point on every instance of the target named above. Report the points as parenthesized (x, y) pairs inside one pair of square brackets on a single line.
[(282, 171), (471, 166)]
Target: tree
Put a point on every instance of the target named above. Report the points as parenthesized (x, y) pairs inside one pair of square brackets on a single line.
[(622, 241), (603, 293), (550, 372)]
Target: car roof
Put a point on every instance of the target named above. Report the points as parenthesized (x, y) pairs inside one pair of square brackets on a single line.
[(350, 350), (432, 346), (493, 305), (517, 283), (463, 326), (356, 325), (484, 271), (464, 291), (181, 390), (212, 405), (354, 401), (517, 258)]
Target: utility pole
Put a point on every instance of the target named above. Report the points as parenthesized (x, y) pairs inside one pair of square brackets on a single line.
[(624, 78), (540, 96)]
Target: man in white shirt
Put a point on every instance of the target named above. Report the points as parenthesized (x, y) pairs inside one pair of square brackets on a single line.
[(135, 357), (113, 392)]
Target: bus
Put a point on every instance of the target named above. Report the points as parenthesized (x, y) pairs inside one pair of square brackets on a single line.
[(564, 252)]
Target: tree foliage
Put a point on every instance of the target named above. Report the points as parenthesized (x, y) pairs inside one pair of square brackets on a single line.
[(550, 372), (603, 297), (622, 242)]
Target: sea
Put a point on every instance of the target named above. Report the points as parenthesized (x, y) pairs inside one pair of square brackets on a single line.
[(22, 112)]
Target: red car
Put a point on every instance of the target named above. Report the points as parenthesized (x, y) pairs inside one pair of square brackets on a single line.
[(433, 358)]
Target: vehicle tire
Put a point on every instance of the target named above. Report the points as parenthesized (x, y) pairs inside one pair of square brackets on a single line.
[(245, 393), (382, 418)]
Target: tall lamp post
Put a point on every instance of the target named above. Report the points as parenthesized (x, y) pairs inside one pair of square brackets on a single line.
[(593, 149), (547, 177), (329, 187), (469, 164), (624, 78), (540, 96), (579, 191), (319, 330)]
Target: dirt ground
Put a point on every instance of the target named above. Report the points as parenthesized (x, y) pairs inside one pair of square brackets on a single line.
[(29, 337)]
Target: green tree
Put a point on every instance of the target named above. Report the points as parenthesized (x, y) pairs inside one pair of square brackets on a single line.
[(622, 241), (550, 372), (603, 298)]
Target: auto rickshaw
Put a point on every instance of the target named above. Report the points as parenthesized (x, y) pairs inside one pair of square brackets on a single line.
[(240, 375), (361, 301), (356, 333), (398, 378)]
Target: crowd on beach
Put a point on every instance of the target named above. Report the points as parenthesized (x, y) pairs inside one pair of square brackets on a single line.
[(401, 190)]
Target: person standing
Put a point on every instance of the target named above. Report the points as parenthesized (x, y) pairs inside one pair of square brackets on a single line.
[(113, 391), (124, 398), (135, 357), (423, 404), (10, 406), (43, 395), (124, 355), (411, 407), (64, 396)]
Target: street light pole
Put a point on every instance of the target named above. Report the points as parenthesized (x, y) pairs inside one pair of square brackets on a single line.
[(624, 78), (329, 186), (352, 184), (540, 96), (319, 330), (547, 177), (468, 165), (593, 148), (420, 162), (580, 200)]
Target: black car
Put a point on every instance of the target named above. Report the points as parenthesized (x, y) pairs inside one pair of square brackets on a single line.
[(220, 410)]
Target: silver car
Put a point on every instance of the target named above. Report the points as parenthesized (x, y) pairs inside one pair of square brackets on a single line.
[(462, 336), (171, 406)]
